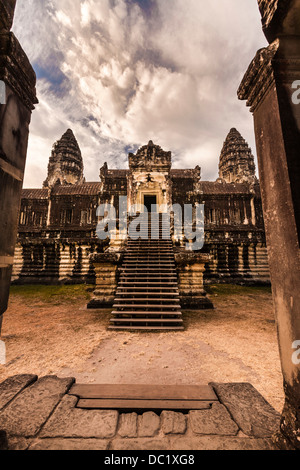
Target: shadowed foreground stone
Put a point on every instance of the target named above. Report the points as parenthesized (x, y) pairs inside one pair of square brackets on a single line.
[(217, 420), (221, 443), (70, 422), (140, 444), (173, 423), (69, 444), (128, 425), (3, 441), (25, 415), (14, 385), (149, 424), (249, 409), (18, 443)]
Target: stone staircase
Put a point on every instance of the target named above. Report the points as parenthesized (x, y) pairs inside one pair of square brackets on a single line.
[(147, 295)]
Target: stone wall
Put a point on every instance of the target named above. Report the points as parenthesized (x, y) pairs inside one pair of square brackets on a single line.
[(15, 115)]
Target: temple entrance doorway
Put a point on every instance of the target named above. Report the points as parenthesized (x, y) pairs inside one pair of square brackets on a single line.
[(150, 202)]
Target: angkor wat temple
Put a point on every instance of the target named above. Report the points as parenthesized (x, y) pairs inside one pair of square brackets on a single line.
[(57, 224)]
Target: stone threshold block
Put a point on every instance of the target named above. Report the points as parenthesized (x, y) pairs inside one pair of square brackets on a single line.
[(220, 443), (69, 444), (216, 421), (252, 413), (11, 387), (28, 412), (191, 268), (70, 422), (106, 268)]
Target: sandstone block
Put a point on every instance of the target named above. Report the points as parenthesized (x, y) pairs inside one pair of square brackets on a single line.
[(13, 386), (149, 424), (27, 413), (70, 422), (173, 423), (249, 409), (128, 425), (70, 444), (217, 421)]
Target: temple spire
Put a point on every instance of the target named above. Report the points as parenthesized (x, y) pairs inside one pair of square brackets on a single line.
[(236, 160), (65, 164)]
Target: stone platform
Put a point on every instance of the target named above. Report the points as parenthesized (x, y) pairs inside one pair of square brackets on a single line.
[(39, 414)]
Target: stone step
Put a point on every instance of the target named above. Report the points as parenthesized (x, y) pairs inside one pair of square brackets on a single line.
[(146, 294), (145, 287), (136, 313), (163, 328), (147, 305), (147, 320)]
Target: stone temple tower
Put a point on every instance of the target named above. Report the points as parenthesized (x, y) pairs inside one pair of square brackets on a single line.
[(236, 160), (65, 164)]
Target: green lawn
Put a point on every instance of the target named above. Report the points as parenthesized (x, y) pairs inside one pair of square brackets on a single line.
[(71, 293), (57, 294)]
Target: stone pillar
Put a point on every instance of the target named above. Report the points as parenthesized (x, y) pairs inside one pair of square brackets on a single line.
[(269, 88), (106, 267), (15, 114), (190, 268)]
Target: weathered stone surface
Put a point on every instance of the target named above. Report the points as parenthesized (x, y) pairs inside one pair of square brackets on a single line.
[(149, 424), (18, 443), (3, 441), (217, 420), (277, 17), (128, 425), (70, 422), (220, 443), (69, 444), (25, 415), (140, 444), (173, 423), (12, 386), (249, 409)]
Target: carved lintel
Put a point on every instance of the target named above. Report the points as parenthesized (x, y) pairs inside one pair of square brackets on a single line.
[(7, 8), (16, 71), (278, 63), (259, 76), (273, 13), (188, 258), (107, 257)]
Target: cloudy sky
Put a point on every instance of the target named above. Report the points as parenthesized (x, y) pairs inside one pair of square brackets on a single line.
[(122, 72)]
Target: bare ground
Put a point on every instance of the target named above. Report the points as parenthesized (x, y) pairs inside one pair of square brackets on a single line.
[(48, 330)]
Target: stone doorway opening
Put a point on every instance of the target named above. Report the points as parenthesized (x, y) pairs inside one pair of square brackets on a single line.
[(150, 202)]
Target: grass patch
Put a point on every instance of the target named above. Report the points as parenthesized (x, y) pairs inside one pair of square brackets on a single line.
[(233, 289), (57, 294)]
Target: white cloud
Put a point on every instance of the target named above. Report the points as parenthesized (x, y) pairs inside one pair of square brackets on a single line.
[(119, 76)]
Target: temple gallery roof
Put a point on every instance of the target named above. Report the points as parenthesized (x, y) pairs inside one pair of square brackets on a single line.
[(84, 189), (93, 188)]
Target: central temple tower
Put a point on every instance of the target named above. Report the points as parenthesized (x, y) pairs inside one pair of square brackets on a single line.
[(149, 180)]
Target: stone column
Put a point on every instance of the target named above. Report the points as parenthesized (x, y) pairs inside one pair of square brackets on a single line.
[(18, 83), (269, 88), (190, 268), (106, 267)]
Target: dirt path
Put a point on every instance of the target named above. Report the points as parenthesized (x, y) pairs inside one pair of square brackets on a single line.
[(236, 342)]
